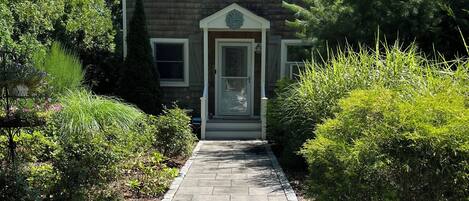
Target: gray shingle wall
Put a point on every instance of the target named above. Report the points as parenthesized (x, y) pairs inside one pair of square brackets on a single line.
[(180, 19)]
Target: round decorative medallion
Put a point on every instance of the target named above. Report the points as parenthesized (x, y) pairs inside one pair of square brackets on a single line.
[(234, 19)]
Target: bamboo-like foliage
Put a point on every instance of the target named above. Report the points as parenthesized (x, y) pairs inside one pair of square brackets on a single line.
[(63, 67)]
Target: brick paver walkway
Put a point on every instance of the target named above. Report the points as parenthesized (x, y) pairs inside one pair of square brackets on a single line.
[(234, 171)]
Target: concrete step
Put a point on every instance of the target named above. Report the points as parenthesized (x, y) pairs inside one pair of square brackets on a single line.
[(233, 135), (233, 126)]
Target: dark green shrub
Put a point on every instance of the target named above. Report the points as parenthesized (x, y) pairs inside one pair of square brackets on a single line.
[(275, 130), (14, 185), (139, 83), (173, 134), (384, 145)]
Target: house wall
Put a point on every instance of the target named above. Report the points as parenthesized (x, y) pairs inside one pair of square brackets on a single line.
[(180, 19)]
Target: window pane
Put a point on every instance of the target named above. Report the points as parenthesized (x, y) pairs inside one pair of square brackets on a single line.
[(171, 70), (298, 53), (169, 52), (235, 62)]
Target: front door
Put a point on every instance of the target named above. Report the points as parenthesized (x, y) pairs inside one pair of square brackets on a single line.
[(234, 71)]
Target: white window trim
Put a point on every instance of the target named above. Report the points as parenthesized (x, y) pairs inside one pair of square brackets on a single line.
[(283, 59), (183, 41)]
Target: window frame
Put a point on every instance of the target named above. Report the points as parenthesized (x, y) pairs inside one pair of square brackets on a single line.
[(185, 43), (285, 43)]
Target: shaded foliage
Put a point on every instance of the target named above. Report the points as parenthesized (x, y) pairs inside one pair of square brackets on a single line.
[(433, 24), (139, 83)]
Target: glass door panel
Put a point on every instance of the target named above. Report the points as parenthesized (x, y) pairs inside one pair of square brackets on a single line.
[(234, 81)]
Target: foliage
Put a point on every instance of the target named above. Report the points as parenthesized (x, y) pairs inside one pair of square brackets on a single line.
[(315, 97), (150, 176), (84, 112), (385, 145), (173, 134), (35, 146), (63, 67), (43, 177), (432, 24), (139, 83), (30, 26), (275, 129), (14, 186)]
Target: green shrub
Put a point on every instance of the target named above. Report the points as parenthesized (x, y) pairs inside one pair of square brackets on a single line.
[(315, 97), (14, 185), (96, 134), (173, 134), (385, 145), (43, 177), (149, 175), (275, 130), (35, 147)]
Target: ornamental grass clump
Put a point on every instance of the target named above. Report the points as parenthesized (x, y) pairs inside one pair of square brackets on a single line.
[(315, 96), (84, 112), (64, 69)]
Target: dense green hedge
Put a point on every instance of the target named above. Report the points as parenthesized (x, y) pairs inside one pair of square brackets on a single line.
[(383, 145)]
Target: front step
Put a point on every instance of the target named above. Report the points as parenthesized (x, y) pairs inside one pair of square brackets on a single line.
[(233, 130)]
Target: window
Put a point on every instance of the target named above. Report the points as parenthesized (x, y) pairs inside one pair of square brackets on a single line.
[(294, 54), (172, 59)]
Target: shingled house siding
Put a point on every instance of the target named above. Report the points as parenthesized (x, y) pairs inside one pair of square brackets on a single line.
[(180, 19)]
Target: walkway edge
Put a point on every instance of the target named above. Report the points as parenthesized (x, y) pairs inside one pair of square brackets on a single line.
[(289, 192), (169, 195)]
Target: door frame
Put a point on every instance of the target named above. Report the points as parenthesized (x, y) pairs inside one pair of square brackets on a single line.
[(251, 67)]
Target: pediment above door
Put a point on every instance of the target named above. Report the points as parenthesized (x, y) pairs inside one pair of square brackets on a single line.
[(234, 17)]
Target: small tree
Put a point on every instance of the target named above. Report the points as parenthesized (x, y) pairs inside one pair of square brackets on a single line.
[(139, 83)]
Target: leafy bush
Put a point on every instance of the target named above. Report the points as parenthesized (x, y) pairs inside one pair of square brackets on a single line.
[(315, 97), (14, 186), (173, 134), (385, 145), (94, 137), (35, 146), (149, 175)]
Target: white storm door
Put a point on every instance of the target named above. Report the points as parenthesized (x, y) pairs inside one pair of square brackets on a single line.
[(234, 79)]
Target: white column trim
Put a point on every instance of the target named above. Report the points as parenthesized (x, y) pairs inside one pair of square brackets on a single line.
[(124, 27), (204, 99), (263, 60)]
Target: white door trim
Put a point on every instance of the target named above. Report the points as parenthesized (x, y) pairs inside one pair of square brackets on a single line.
[(251, 66)]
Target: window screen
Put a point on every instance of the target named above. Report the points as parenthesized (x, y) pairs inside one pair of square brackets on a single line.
[(170, 61)]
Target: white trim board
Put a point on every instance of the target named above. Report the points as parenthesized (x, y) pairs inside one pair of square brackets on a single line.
[(183, 41), (283, 52)]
